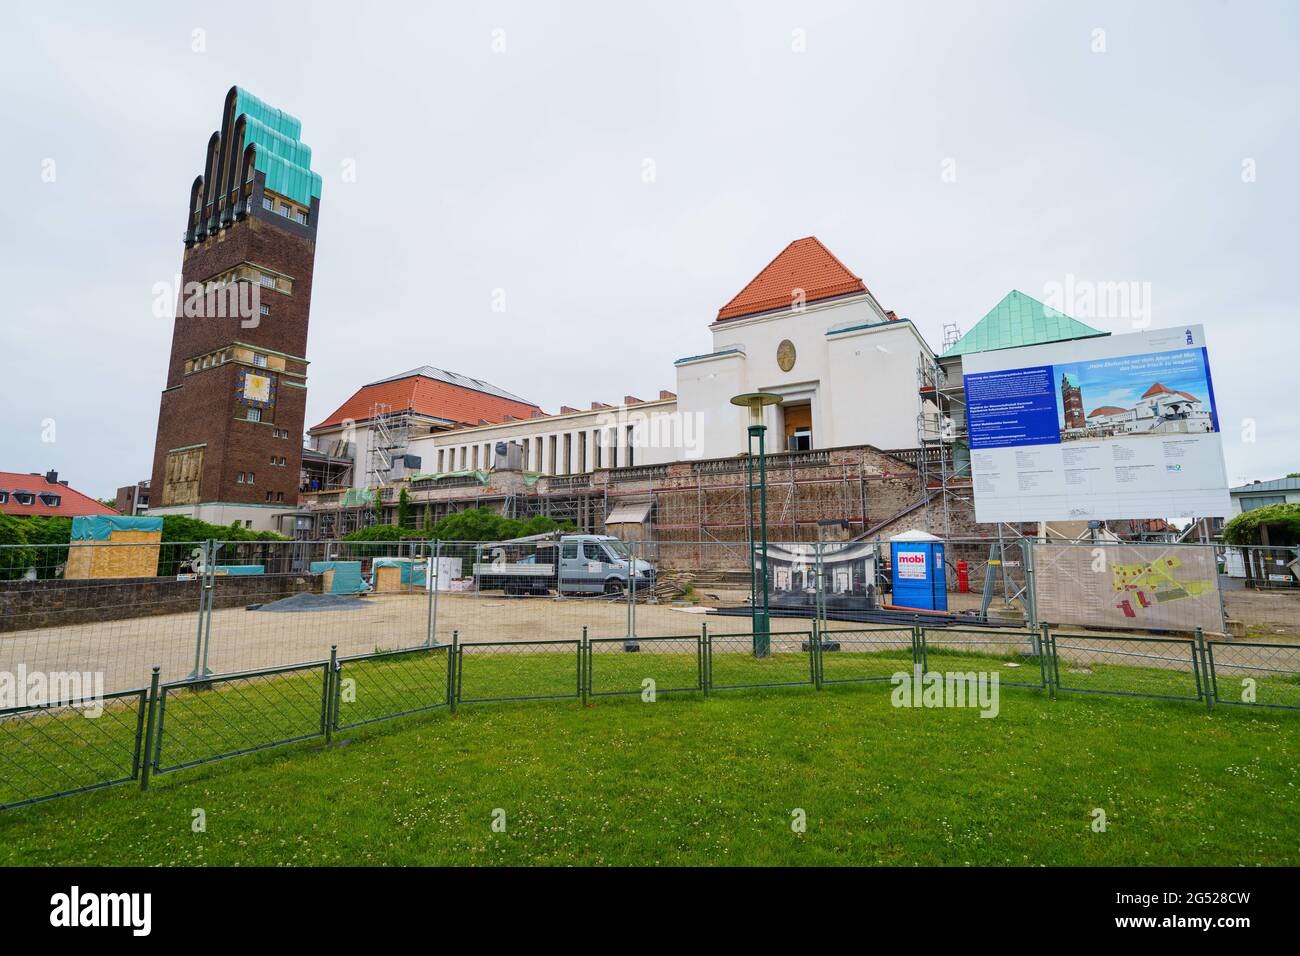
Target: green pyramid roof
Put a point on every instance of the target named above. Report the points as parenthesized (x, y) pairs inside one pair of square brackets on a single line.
[(1020, 320)]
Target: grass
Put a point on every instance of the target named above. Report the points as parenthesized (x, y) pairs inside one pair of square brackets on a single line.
[(684, 780)]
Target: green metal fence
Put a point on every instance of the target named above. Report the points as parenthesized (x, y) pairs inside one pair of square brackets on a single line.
[(1254, 673), (488, 671), (199, 722), (48, 752), (617, 666), (1165, 668), (372, 687), (58, 750), (1019, 657)]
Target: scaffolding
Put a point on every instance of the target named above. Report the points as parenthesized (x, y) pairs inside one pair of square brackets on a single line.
[(389, 430)]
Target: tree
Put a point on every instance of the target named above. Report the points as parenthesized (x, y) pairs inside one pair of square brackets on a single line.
[(405, 517), (377, 509)]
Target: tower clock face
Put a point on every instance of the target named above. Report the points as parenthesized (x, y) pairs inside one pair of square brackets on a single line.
[(785, 355)]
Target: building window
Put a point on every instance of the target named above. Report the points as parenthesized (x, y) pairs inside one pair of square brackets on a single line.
[(239, 478), (279, 496), (630, 458), (301, 218), (259, 360), (266, 280), (268, 496), (253, 415), (264, 310), (1251, 502), (268, 204), (250, 477)]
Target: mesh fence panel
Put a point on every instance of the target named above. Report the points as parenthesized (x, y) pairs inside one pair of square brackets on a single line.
[(860, 655), (536, 670), (53, 620), (374, 688), (1127, 665), (1259, 674), (617, 666), (201, 722), (54, 751), (1019, 657), (739, 660)]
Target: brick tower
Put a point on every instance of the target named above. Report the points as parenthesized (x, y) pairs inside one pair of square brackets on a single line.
[(230, 423)]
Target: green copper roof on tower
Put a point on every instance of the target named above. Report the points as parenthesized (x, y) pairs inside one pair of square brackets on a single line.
[(1020, 320), (281, 155)]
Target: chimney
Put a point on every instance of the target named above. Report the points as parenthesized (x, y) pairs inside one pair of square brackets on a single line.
[(567, 410), (597, 406), (52, 477), (664, 394), (631, 400)]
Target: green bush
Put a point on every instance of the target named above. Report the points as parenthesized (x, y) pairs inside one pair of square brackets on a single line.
[(1283, 523)]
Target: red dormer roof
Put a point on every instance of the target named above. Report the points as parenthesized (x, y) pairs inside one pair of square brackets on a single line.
[(72, 503), (1107, 410), (804, 264)]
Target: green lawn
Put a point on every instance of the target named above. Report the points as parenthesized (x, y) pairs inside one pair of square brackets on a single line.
[(693, 781)]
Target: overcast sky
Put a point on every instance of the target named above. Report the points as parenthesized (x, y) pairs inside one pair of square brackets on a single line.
[(621, 170)]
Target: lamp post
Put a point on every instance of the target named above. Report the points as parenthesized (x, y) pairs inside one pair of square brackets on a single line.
[(759, 611)]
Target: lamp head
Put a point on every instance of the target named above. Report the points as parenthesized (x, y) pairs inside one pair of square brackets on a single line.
[(756, 402)]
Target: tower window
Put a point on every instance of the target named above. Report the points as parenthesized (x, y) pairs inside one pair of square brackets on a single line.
[(239, 478), (268, 281), (265, 310), (253, 415), (259, 360), (268, 204)]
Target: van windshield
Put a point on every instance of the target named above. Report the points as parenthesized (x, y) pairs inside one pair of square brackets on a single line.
[(619, 548)]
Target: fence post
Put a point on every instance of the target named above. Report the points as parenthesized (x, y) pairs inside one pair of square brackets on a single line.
[(1204, 678), (330, 700), (431, 579), (1031, 584), (815, 655), (706, 674), (148, 731), (1041, 639), (918, 643), (584, 665), (453, 690), (209, 589)]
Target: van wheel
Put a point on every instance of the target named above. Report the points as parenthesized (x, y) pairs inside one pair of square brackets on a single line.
[(613, 586)]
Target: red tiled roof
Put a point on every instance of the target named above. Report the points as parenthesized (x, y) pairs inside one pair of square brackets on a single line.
[(1158, 389), (804, 264), (72, 505), (1107, 410), (428, 396)]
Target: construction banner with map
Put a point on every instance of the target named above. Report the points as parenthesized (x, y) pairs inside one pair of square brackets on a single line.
[(1146, 586)]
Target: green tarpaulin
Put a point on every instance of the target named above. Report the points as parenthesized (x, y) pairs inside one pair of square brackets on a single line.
[(347, 576), (100, 527)]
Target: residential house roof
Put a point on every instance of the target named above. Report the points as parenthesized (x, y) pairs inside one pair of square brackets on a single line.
[(71, 503)]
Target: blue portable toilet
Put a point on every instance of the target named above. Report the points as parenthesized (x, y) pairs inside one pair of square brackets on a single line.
[(919, 576)]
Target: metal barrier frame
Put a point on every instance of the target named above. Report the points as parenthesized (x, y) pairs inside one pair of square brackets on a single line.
[(698, 639), (142, 711), (1032, 638), (825, 636), (460, 668), (340, 664), (1214, 676), (1190, 643), (810, 636), (160, 707)]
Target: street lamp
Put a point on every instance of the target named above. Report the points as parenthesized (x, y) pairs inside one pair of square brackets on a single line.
[(756, 402)]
